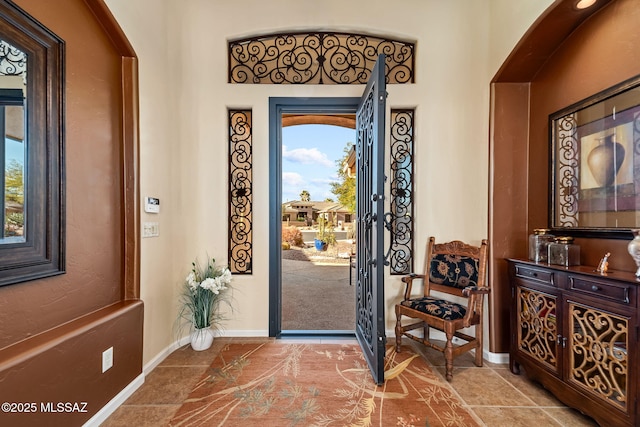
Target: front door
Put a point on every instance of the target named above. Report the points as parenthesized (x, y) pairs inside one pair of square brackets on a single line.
[(370, 121), (370, 111)]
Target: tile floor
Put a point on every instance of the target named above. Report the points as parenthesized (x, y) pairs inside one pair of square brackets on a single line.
[(498, 398)]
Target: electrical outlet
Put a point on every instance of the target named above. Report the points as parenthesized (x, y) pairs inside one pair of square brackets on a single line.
[(107, 359)]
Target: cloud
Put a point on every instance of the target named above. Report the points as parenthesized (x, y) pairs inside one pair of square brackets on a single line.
[(293, 183), (326, 180), (292, 179), (306, 156)]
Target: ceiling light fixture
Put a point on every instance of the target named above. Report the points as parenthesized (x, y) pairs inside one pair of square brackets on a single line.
[(583, 4)]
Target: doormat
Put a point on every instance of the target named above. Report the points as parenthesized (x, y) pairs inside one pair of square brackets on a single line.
[(284, 384)]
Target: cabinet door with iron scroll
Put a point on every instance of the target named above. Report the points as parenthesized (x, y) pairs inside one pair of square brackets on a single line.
[(600, 359), (536, 325)]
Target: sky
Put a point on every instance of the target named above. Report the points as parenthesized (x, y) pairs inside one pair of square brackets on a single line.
[(309, 155), (14, 150)]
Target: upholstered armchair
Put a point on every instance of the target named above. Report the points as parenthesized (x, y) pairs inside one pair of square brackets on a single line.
[(452, 299)]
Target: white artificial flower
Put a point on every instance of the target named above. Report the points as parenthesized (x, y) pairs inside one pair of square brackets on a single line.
[(226, 276), (191, 280), (216, 286), (208, 283)]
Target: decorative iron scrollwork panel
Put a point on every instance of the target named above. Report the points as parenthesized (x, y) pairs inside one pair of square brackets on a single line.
[(318, 58), (401, 221), (13, 61), (567, 175), (537, 326), (599, 359), (366, 261), (240, 192)]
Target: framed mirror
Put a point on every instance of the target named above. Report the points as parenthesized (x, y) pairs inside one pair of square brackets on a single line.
[(595, 174), (31, 147)]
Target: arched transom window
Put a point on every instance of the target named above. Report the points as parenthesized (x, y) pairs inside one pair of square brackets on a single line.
[(318, 58)]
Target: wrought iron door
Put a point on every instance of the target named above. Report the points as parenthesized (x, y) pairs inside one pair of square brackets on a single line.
[(370, 121)]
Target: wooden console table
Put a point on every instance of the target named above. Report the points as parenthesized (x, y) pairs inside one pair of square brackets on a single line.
[(575, 331)]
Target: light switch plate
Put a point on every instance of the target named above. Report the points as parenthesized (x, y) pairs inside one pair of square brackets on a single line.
[(150, 229)]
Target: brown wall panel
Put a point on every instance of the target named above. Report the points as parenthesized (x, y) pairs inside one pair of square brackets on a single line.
[(66, 367), (94, 237), (508, 204), (599, 54), (565, 57)]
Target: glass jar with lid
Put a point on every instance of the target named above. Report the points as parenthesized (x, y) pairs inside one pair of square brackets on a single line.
[(562, 251), (538, 243)]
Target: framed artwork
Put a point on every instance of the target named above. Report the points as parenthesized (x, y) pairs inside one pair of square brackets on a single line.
[(595, 173)]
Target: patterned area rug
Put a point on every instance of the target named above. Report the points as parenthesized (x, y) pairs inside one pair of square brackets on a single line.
[(280, 384)]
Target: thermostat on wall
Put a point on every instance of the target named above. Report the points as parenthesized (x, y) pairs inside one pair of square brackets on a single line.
[(151, 205)]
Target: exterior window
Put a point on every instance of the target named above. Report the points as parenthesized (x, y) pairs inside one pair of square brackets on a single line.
[(240, 192), (401, 253)]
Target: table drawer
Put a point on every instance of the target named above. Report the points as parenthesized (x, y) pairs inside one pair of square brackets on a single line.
[(535, 274), (618, 292)]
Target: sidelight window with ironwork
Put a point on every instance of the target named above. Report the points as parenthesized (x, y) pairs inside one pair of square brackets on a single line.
[(319, 57), (240, 192), (400, 223)]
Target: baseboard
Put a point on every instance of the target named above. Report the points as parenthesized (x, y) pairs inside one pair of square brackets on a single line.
[(158, 358), (498, 358), (108, 409)]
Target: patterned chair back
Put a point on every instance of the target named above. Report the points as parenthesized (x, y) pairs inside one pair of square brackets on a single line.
[(454, 270)]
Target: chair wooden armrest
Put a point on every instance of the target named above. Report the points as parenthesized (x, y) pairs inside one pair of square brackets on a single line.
[(408, 280), (474, 290), (474, 308), (412, 276)]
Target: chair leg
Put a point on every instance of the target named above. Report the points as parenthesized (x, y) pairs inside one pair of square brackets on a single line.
[(479, 346), (448, 355), (398, 331)]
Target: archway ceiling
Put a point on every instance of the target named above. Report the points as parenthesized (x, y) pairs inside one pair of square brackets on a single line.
[(542, 39), (343, 120)]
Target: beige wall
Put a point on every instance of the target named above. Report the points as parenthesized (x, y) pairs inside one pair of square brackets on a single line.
[(147, 25), (184, 97), (509, 22)]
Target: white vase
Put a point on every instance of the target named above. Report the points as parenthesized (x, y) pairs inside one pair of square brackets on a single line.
[(634, 249), (201, 339)]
